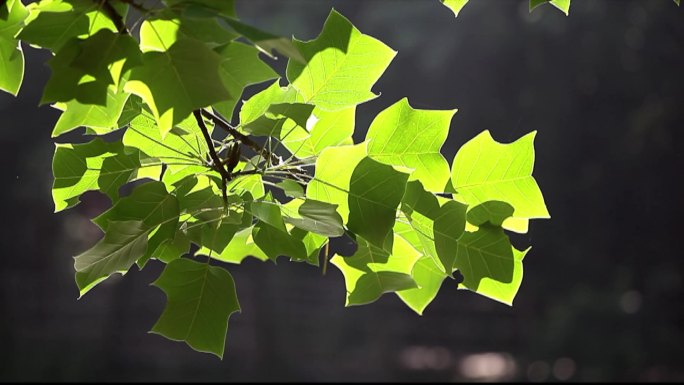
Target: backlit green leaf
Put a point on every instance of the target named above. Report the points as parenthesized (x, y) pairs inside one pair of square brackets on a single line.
[(375, 191), (342, 65), (403, 136), (485, 170), (200, 300), (176, 82)]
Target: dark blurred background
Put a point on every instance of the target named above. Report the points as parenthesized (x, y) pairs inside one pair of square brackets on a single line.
[(602, 294)]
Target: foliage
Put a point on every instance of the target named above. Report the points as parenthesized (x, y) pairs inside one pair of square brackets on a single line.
[(275, 176)]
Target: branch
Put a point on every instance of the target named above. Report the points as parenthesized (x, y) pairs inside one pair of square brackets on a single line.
[(111, 12), (217, 164), (244, 139)]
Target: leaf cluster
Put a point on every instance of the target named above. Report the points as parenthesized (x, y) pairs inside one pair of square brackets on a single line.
[(217, 179)]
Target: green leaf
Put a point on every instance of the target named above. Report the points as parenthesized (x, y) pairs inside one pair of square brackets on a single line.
[(99, 119), (291, 188), (54, 22), (200, 300), (342, 66), (330, 128), (155, 207), (178, 81), (123, 243), (107, 56), (180, 149), (492, 212), (240, 67), (149, 203), (402, 136), (68, 82), (11, 65), (317, 217), (563, 5), (332, 177), (278, 116), (160, 32), (240, 247), (12, 16), (505, 292), (259, 104), (429, 278), (486, 253), (313, 242), (375, 191), (485, 170), (449, 226), (275, 242), (455, 5), (77, 169), (373, 271)]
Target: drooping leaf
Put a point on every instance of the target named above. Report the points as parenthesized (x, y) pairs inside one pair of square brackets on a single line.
[(373, 271), (124, 242), (342, 65), (485, 170), (375, 191), (200, 300), (403, 136), (178, 81)]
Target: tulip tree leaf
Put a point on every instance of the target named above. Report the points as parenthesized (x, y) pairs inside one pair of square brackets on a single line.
[(375, 191), (403, 136), (342, 65), (176, 82), (485, 170), (200, 300)]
